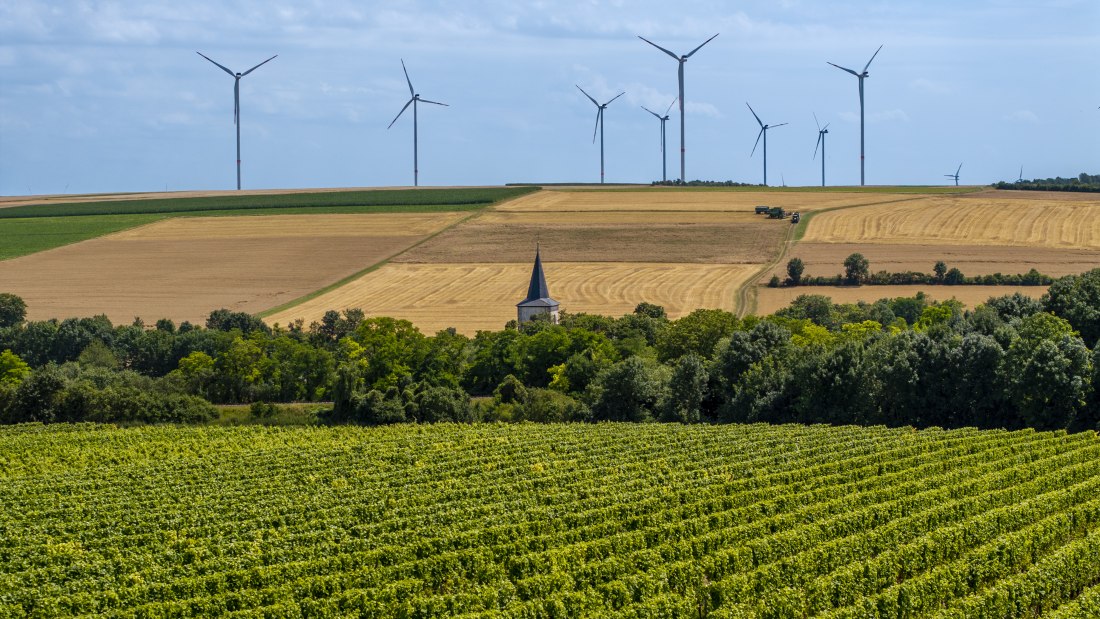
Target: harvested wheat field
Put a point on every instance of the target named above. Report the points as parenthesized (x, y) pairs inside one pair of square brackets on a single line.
[(472, 297), (635, 236), (824, 259), (661, 199), (183, 268), (769, 300), (986, 220)]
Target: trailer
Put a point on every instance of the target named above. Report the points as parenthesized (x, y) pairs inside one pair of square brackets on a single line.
[(760, 209)]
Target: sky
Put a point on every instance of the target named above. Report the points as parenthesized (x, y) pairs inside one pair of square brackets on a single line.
[(99, 96)]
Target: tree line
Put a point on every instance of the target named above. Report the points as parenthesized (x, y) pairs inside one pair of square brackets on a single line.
[(1082, 182), (857, 272), (1011, 362)]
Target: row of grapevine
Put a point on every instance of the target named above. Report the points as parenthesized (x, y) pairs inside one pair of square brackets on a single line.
[(547, 521)]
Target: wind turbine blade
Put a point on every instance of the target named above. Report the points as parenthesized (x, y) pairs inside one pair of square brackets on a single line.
[(259, 65), (872, 58), (820, 136), (434, 102), (659, 47), (219, 66), (826, 127), (779, 125), (599, 114), (588, 95), (843, 68), (407, 104), (670, 105), (758, 121), (688, 55), (409, 81), (815, 121), (615, 97), (651, 111), (959, 170), (757, 142)]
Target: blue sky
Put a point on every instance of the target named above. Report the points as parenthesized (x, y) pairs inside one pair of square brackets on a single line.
[(110, 96)]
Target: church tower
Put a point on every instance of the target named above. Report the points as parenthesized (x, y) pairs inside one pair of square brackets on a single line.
[(538, 299)]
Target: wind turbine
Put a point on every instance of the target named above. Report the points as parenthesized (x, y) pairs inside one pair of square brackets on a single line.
[(664, 159), (599, 122), (414, 98), (821, 131), (680, 77), (1020, 178), (237, 104), (860, 77), (763, 132), (955, 175)]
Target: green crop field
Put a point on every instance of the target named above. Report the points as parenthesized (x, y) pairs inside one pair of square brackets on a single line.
[(34, 228), (33, 234), (378, 201), (548, 521)]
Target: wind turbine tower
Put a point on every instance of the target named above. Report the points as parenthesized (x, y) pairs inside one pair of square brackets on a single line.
[(237, 104), (955, 175), (860, 76), (821, 131), (600, 107), (414, 98), (763, 132), (680, 78), (664, 158)]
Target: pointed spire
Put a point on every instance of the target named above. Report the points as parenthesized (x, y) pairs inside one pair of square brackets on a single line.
[(537, 289)]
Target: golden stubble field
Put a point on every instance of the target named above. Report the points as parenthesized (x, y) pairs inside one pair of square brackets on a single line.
[(184, 268), (472, 297), (980, 233)]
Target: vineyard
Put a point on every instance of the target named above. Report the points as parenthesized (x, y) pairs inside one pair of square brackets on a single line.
[(548, 521)]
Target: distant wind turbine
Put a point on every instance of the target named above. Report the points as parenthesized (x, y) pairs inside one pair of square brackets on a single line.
[(821, 131), (664, 158), (237, 103), (600, 107), (763, 132), (414, 98), (861, 76), (680, 78), (1020, 178), (955, 175)]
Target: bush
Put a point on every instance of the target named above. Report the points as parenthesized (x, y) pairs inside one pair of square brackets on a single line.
[(12, 310)]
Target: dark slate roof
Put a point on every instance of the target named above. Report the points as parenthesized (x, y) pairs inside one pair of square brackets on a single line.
[(544, 302), (537, 290)]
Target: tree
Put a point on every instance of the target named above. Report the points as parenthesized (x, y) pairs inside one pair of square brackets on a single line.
[(649, 309), (1047, 372), (12, 310), (12, 369), (814, 307), (1077, 299), (225, 320), (940, 269), (954, 277), (686, 390), (1014, 306), (698, 332), (856, 269), (794, 271), (628, 391)]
